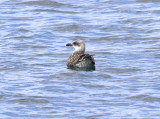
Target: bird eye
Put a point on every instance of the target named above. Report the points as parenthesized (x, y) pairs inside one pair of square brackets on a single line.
[(75, 43)]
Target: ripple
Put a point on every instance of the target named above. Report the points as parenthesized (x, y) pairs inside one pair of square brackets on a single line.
[(123, 36), (41, 3)]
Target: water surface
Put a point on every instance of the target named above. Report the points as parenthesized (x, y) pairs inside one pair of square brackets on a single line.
[(123, 36)]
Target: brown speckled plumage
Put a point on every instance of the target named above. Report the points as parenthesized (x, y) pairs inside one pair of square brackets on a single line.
[(76, 58), (79, 58)]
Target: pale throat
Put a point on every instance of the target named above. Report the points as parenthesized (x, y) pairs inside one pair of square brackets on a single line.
[(79, 49)]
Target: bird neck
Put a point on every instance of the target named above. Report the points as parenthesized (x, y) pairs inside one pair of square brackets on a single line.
[(79, 50)]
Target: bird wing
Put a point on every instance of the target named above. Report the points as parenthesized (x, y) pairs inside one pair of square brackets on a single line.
[(86, 56), (75, 58)]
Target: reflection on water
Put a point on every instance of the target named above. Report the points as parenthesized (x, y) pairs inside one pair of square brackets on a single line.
[(123, 37), (82, 68)]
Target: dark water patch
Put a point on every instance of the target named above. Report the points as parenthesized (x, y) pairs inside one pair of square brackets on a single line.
[(42, 3), (148, 1), (70, 28), (56, 11), (23, 101), (145, 98)]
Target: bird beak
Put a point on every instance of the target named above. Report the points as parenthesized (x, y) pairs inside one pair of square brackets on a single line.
[(68, 44)]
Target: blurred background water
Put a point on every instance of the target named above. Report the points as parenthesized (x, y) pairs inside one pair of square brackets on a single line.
[(124, 37)]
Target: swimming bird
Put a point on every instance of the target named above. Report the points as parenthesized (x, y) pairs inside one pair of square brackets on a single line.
[(79, 59)]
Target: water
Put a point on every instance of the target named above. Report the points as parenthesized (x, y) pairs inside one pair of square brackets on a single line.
[(124, 37)]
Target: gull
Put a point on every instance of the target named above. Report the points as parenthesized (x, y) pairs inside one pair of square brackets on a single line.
[(79, 59)]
